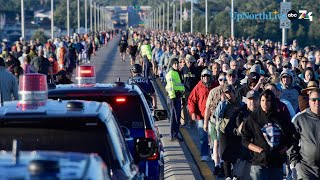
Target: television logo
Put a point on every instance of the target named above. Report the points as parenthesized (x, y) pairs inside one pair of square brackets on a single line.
[(304, 14)]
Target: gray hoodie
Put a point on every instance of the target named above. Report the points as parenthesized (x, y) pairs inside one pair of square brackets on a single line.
[(290, 93), (306, 156)]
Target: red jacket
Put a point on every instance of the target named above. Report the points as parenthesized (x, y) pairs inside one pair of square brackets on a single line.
[(198, 98)]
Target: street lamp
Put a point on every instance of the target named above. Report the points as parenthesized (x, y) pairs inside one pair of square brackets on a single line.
[(68, 18), (191, 18), (78, 10), (168, 14), (22, 18), (206, 17), (163, 16), (95, 16), (232, 20), (52, 26), (85, 15), (180, 15), (91, 27)]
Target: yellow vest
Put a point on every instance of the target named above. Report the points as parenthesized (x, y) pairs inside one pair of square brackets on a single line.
[(146, 51), (174, 84)]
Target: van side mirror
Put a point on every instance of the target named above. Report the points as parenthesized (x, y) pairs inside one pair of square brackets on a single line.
[(160, 114), (145, 147)]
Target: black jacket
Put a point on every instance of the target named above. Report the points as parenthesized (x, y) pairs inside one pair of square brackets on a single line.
[(190, 77), (272, 132)]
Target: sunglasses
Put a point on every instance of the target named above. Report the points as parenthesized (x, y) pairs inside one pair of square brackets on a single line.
[(205, 75), (288, 67), (304, 61), (222, 79), (314, 99), (182, 62)]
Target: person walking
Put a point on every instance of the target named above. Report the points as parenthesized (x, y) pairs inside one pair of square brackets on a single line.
[(175, 89), (197, 105), (305, 153), (8, 84), (123, 45), (268, 135), (144, 84)]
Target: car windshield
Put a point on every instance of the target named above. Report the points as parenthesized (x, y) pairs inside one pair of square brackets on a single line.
[(81, 134)]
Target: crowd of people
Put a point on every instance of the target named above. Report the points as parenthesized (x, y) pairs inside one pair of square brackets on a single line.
[(254, 102), (57, 58)]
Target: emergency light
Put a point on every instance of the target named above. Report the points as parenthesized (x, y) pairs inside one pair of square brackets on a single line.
[(33, 90), (86, 75)]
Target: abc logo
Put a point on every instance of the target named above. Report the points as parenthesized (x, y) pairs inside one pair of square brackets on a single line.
[(292, 14)]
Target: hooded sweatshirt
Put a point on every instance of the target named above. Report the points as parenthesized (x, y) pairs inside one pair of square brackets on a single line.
[(291, 92), (272, 132), (307, 155)]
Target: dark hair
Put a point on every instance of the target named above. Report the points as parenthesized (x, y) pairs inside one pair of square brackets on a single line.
[(269, 95), (309, 69)]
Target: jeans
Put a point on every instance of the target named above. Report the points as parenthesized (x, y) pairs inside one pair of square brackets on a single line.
[(175, 115), (203, 138), (264, 173)]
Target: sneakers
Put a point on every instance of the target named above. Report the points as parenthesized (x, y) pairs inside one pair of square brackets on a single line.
[(218, 171), (205, 158)]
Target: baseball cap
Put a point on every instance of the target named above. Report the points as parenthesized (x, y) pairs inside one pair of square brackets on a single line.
[(287, 65), (206, 72), (203, 55), (231, 72), (254, 76), (228, 88), (252, 94), (193, 48), (190, 58)]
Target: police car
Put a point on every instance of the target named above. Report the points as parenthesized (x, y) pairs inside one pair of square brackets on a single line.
[(68, 126), (130, 108), (51, 165)]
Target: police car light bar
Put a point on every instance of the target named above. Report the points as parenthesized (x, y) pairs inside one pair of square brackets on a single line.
[(33, 89), (120, 100), (86, 75)]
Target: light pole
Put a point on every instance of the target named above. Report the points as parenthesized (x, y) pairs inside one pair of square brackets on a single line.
[(52, 26), (284, 33), (91, 27), (95, 16), (160, 24), (168, 14), (180, 15), (174, 16), (78, 10), (68, 18), (98, 17), (191, 18), (232, 20), (206, 17), (86, 15), (22, 19), (163, 16)]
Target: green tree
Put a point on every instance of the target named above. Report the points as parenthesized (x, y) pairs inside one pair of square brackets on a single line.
[(39, 34)]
